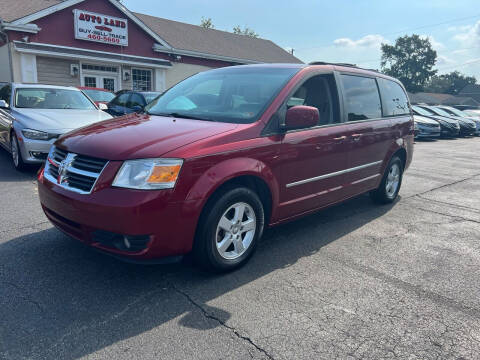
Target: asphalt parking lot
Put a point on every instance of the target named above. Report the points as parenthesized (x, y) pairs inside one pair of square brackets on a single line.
[(353, 281)]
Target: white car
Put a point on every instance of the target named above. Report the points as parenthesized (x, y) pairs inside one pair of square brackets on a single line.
[(33, 116)]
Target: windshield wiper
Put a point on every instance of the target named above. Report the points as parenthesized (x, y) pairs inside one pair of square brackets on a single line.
[(178, 115)]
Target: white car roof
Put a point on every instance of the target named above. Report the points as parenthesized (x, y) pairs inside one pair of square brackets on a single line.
[(43, 86)]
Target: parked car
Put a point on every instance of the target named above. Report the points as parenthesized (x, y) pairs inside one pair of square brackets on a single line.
[(99, 96), (225, 153), (33, 116), (467, 127), (427, 128), (472, 112), (455, 112), (128, 102), (448, 127)]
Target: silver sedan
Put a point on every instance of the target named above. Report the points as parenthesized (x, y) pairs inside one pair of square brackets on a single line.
[(33, 116)]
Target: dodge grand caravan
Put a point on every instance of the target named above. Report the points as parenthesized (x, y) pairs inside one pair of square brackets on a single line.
[(225, 153)]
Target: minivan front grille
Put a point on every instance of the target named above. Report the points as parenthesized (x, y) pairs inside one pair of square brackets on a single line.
[(72, 171)]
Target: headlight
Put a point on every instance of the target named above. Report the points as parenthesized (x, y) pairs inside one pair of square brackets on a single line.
[(148, 174), (35, 134)]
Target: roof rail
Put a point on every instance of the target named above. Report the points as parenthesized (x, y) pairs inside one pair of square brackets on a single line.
[(341, 64), (330, 63)]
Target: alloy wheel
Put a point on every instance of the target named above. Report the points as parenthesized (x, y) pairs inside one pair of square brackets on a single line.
[(235, 231), (15, 151), (393, 180)]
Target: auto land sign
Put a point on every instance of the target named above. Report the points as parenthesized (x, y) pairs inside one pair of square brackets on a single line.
[(100, 28)]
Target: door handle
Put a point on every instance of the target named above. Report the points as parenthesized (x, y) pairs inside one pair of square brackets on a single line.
[(356, 137), (340, 138)]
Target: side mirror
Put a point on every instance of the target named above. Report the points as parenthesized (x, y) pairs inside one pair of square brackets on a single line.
[(102, 106), (4, 105), (301, 116)]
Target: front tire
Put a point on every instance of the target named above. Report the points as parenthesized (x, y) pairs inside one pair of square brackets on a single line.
[(391, 182), (17, 159), (229, 229)]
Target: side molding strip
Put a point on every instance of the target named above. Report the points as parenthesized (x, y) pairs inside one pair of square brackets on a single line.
[(326, 176)]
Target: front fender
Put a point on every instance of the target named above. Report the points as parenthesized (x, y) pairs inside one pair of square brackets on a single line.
[(226, 170)]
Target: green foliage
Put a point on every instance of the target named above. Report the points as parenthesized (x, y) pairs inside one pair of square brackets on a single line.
[(450, 83), (411, 60), (207, 23), (245, 31)]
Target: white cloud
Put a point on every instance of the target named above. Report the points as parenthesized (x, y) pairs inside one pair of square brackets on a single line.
[(444, 60), (370, 41), (435, 44), (469, 37), (461, 28)]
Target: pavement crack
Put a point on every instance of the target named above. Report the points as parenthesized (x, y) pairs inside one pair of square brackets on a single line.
[(444, 185), (468, 208), (455, 217), (222, 323), (416, 289)]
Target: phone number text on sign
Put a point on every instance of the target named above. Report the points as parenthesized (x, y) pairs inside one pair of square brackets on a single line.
[(100, 28)]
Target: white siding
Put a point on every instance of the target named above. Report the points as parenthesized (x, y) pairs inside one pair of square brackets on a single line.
[(179, 72), (53, 71), (5, 69)]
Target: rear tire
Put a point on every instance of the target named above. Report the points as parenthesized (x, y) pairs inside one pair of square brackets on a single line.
[(391, 182), (17, 159), (229, 229)]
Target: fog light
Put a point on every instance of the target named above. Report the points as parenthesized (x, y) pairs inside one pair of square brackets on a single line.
[(38, 154)]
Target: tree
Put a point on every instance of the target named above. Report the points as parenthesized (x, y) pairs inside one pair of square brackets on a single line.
[(207, 23), (245, 31), (451, 83), (411, 60)]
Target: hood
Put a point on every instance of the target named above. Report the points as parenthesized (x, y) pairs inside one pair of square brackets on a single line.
[(442, 119), (424, 120), (59, 121), (138, 136)]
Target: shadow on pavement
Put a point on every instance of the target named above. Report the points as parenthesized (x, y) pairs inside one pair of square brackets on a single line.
[(60, 299), (8, 173)]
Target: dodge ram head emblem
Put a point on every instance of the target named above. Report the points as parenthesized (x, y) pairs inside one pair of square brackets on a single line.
[(63, 167)]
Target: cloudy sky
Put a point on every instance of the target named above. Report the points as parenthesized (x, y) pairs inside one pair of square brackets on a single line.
[(345, 30)]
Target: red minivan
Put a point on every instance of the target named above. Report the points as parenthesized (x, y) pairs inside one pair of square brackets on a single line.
[(225, 153)]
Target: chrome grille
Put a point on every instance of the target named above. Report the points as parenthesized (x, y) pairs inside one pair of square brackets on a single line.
[(71, 171)]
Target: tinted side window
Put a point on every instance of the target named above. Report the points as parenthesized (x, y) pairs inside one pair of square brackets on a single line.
[(5, 93), (121, 100), (321, 92), (136, 100), (362, 100), (394, 98)]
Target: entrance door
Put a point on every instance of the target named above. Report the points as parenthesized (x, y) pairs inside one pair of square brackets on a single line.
[(109, 83), (102, 82)]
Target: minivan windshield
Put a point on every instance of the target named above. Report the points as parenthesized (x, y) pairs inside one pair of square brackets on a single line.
[(233, 94), (51, 98)]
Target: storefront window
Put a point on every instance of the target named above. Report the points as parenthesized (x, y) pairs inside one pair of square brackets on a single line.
[(142, 80), (90, 81)]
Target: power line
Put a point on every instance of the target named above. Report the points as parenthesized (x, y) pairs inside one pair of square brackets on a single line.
[(402, 31)]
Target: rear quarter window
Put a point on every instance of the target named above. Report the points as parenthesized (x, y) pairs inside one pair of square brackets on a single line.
[(395, 101), (362, 99)]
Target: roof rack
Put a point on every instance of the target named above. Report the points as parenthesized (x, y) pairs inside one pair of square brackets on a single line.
[(341, 64), (330, 63)]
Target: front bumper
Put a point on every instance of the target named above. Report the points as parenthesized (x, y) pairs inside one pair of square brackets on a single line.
[(34, 151), (428, 132), (466, 130), (155, 225)]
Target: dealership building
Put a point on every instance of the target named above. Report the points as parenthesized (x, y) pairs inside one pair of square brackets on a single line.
[(100, 43)]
